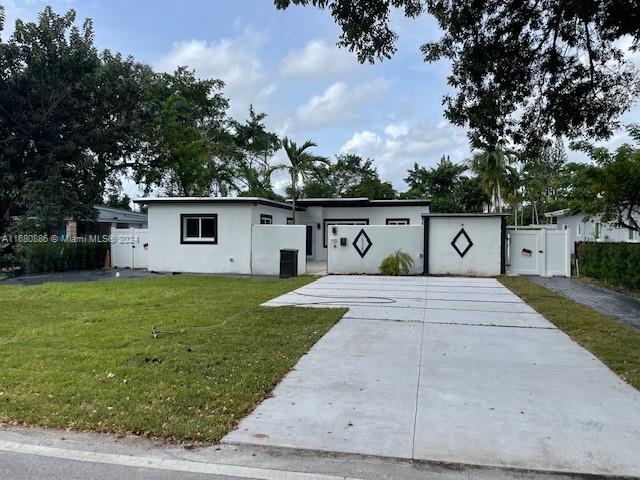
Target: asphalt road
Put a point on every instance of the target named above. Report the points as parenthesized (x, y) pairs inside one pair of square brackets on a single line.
[(617, 306)]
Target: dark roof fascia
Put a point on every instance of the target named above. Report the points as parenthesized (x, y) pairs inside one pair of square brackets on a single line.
[(359, 202), (220, 200)]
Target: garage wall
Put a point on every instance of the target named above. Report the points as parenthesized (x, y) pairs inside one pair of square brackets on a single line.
[(232, 253), (484, 258), (384, 241), (268, 240)]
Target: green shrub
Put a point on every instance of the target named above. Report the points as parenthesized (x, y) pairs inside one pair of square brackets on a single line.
[(398, 263), (614, 263), (61, 257)]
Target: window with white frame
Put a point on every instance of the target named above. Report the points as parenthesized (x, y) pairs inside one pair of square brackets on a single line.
[(579, 230), (597, 230), (632, 234), (266, 219), (397, 221), (199, 228)]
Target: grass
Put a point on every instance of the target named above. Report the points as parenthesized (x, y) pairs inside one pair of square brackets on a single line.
[(632, 292), (616, 345), (81, 356)]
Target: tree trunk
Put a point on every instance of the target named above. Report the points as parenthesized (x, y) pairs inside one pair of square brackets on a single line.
[(499, 199), (293, 195)]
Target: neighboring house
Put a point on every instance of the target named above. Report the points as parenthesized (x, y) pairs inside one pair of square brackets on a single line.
[(107, 219), (179, 226), (591, 229)]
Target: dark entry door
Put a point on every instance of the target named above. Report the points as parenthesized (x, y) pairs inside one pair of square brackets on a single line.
[(309, 240)]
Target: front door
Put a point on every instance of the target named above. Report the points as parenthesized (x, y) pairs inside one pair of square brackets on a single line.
[(309, 240)]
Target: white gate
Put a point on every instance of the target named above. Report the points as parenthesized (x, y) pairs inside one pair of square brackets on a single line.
[(129, 248), (539, 252)]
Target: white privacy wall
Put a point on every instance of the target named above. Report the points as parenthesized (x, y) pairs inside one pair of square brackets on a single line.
[(268, 240), (482, 259), (232, 253), (384, 241), (374, 215)]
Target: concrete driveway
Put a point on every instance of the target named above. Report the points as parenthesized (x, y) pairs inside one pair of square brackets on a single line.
[(455, 370)]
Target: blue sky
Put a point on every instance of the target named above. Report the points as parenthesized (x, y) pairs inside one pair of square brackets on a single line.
[(287, 65)]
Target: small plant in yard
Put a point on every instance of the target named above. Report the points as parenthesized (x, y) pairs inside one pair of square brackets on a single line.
[(398, 263)]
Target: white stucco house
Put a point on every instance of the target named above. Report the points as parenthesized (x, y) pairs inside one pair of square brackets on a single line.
[(590, 230), (244, 235)]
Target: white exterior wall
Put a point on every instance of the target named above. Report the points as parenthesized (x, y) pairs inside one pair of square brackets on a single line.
[(375, 215), (384, 241), (268, 240), (608, 233), (279, 215), (232, 253), (482, 259)]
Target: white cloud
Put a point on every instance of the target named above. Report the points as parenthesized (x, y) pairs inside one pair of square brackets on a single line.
[(340, 102), (235, 61), (317, 59), (365, 143), (396, 130), (403, 146)]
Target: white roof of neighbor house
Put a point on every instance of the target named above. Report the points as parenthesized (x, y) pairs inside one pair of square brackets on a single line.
[(558, 213), (109, 215), (227, 200)]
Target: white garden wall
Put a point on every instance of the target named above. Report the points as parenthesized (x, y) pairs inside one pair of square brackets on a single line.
[(373, 215), (345, 259), (483, 258), (268, 240), (129, 248)]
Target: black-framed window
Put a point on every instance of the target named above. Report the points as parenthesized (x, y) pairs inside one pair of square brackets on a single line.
[(199, 228), (398, 221), (266, 219), (341, 221)]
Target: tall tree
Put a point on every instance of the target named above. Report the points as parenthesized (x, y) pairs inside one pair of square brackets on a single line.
[(523, 70), (492, 167), (446, 187), (257, 146), (611, 187), (68, 118), (189, 150), (349, 176), (301, 164)]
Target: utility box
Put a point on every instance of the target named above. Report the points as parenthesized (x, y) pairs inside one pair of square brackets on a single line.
[(288, 263)]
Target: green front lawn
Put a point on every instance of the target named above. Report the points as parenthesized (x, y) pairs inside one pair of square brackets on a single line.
[(616, 345), (82, 356)]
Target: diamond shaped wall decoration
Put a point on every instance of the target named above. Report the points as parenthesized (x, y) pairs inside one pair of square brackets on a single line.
[(461, 243), (362, 243)]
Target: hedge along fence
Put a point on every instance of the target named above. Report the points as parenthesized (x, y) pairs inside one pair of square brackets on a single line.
[(615, 263), (63, 256)]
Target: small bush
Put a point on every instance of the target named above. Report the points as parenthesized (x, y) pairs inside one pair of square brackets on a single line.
[(614, 263), (61, 257), (398, 263)]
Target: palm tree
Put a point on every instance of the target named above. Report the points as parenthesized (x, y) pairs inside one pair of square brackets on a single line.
[(491, 165), (302, 165)]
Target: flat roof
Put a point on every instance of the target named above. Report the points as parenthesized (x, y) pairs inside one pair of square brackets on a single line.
[(227, 200), (109, 214), (360, 202), (466, 214), (558, 213)]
